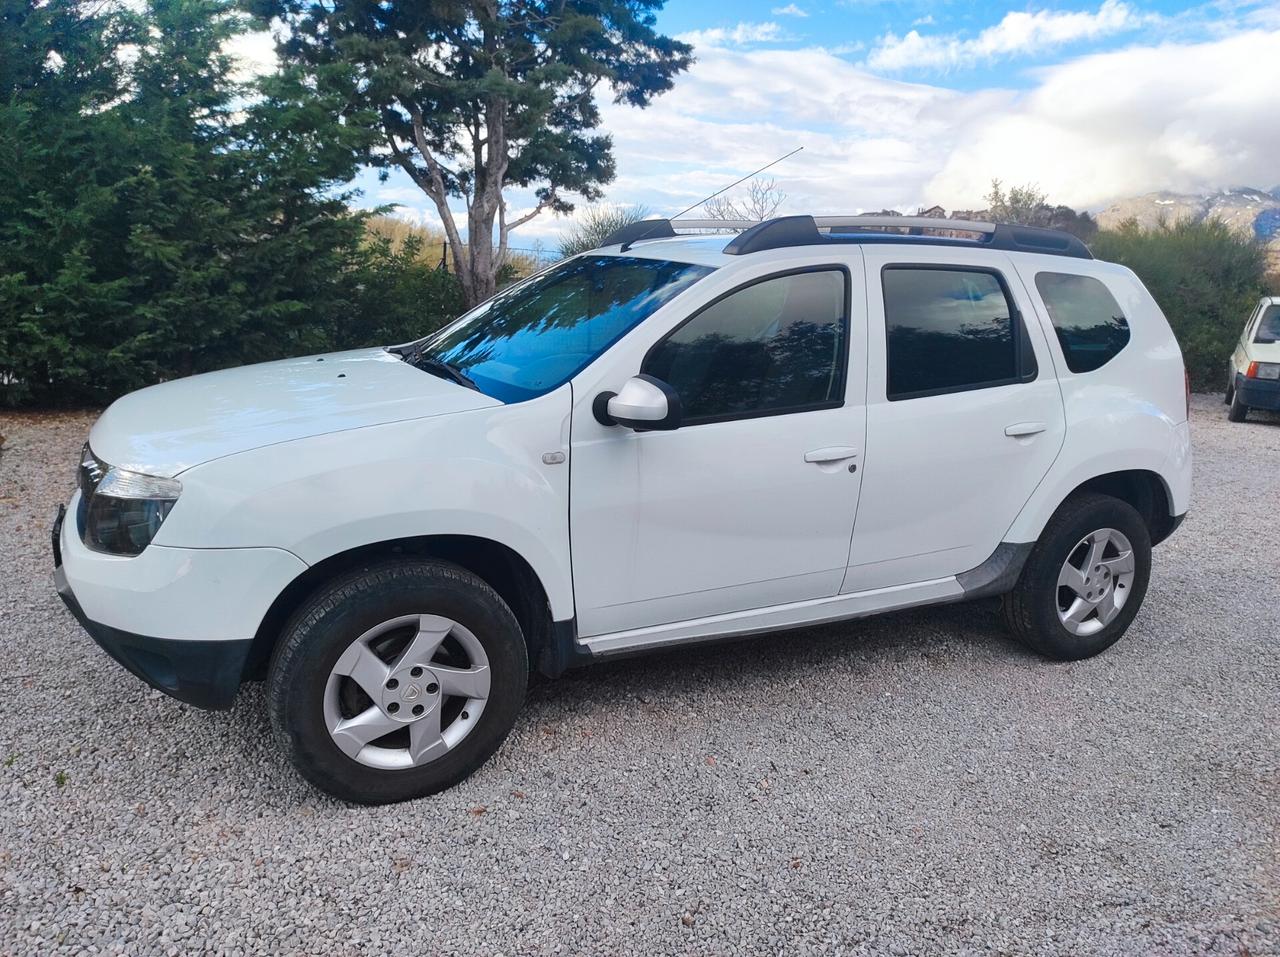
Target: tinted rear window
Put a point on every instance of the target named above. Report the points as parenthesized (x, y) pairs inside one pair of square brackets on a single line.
[(1090, 324), (948, 330)]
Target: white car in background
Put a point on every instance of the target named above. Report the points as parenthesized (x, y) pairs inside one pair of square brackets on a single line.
[(1254, 376), (661, 442)]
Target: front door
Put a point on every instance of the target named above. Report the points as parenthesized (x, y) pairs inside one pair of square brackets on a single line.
[(751, 502)]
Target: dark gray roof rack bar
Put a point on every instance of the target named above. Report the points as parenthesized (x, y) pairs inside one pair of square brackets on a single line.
[(787, 231), (666, 228), (645, 229)]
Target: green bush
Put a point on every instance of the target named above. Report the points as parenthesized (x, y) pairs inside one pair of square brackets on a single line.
[(1205, 277), (159, 219), (396, 296)]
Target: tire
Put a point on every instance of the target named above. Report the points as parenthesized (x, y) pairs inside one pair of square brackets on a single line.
[(1033, 611), (1238, 411), (464, 634)]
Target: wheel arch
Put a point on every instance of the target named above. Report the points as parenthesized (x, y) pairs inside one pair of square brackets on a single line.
[(1144, 489), (501, 567)]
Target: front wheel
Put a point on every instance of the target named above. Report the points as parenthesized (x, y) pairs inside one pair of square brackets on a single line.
[(1085, 580), (397, 681)]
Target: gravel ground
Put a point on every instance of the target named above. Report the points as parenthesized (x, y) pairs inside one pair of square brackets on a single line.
[(906, 785)]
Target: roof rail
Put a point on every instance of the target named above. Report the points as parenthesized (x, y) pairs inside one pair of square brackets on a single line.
[(786, 231), (666, 228)]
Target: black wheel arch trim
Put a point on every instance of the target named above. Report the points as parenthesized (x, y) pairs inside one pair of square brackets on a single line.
[(999, 573)]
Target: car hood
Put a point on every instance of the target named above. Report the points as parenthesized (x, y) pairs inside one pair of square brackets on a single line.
[(167, 428)]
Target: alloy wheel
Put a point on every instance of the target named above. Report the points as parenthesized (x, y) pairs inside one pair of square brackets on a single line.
[(406, 691), (1095, 581)]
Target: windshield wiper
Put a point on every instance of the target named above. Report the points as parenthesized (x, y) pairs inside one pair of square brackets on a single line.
[(438, 367)]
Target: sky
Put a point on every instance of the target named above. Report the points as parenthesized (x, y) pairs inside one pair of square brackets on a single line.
[(910, 104)]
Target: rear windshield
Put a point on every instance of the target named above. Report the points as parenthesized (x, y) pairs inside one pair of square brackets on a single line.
[(1269, 326), (535, 337)]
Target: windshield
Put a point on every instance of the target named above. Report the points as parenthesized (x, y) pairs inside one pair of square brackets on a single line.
[(1269, 326), (537, 335)]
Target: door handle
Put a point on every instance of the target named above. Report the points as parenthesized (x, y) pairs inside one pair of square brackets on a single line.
[(1022, 429), (837, 453)]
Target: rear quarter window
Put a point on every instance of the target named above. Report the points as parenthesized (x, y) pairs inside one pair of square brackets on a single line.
[(1091, 326)]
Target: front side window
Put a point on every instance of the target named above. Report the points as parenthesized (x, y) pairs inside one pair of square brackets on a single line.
[(539, 334), (778, 345), (1090, 324), (949, 330), (1269, 326)]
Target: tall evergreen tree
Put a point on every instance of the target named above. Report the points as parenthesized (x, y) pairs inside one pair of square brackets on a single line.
[(156, 217), (472, 98)]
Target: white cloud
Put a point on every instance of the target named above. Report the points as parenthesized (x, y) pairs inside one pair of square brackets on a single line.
[(1018, 34), (254, 54), (740, 35), (790, 10), (1178, 116), (1185, 116)]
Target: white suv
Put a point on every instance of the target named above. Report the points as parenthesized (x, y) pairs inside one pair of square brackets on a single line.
[(664, 441)]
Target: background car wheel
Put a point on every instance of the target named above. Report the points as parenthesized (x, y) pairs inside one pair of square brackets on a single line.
[(1238, 411), (1085, 580), (397, 681)]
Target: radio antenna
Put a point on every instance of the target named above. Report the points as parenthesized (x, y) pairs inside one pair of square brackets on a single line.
[(628, 244), (736, 182)]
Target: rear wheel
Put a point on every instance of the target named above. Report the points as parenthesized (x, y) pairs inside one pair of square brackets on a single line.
[(397, 681), (1085, 580), (1237, 410)]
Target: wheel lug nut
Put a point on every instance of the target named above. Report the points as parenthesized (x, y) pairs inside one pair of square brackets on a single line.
[(418, 709), (392, 684), (432, 688), (393, 707), (416, 672)]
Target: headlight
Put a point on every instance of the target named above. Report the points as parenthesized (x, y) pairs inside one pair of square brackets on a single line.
[(124, 509), (1264, 370)]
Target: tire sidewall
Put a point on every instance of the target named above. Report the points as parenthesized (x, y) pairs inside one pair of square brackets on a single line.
[(1061, 539), (324, 628), (1238, 411)]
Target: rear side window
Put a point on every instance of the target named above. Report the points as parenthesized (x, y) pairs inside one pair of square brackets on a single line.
[(1269, 326), (1090, 324), (950, 330)]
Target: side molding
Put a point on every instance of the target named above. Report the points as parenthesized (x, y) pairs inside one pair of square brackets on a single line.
[(999, 573)]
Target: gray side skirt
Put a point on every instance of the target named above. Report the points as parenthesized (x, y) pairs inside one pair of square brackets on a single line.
[(999, 573)]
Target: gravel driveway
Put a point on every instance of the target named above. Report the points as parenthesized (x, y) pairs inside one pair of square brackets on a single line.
[(905, 785)]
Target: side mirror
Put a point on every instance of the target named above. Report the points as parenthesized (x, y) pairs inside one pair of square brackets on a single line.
[(644, 403)]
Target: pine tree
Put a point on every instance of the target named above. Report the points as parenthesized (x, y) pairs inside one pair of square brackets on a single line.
[(158, 218)]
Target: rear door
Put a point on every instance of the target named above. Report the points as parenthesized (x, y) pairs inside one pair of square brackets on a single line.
[(964, 413)]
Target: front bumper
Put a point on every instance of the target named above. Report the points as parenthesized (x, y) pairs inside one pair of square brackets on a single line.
[(1259, 393), (187, 594)]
